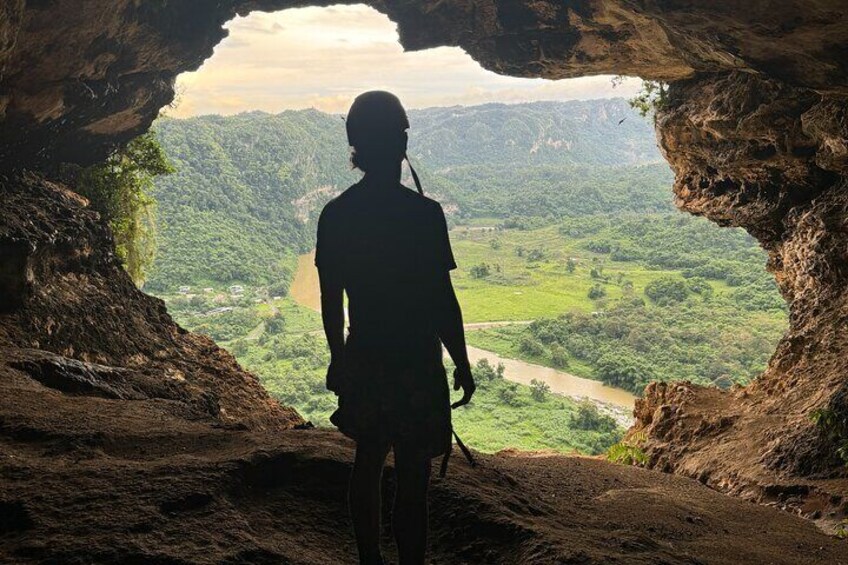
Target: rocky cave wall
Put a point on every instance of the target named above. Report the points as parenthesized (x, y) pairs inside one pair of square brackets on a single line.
[(754, 127)]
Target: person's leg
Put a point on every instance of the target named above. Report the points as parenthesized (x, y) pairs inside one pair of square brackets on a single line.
[(364, 499), (409, 516)]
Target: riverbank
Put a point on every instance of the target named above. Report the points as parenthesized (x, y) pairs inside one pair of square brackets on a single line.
[(614, 402)]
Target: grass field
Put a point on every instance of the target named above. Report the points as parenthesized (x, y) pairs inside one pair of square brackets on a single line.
[(520, 288)]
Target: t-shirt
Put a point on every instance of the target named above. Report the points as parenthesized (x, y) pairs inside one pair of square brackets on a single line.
[(390, 246)]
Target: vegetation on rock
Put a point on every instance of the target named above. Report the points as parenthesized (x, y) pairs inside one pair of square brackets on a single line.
[(120, 189)]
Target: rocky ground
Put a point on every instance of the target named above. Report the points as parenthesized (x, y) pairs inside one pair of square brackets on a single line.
[(92, 479), (124, 439)]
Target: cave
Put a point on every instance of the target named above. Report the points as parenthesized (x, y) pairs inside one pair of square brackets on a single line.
[(127, 439)]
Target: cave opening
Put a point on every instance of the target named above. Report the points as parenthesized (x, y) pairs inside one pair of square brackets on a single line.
[(580, 281), (126, 438)]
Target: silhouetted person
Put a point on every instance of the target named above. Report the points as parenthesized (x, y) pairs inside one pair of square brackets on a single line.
[(387, 247)]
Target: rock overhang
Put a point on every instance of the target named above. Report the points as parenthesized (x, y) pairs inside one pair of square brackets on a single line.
[(78, 78)]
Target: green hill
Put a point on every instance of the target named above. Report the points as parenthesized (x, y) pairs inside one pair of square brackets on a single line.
[(248, 187), (587, 132)]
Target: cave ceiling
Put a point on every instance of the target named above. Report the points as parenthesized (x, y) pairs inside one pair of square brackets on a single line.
[(78, 77)]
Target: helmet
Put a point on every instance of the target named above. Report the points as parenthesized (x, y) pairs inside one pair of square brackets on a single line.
[(375, 117)]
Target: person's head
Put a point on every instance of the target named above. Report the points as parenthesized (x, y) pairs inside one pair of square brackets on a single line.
[(376, 129)]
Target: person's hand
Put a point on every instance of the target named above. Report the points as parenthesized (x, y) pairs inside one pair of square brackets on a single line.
[(336, 376), (462, 378)]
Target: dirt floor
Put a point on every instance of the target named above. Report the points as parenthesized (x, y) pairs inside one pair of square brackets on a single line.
[(102, 480)]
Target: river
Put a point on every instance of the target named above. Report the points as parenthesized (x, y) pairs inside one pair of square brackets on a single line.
[(614, 401)]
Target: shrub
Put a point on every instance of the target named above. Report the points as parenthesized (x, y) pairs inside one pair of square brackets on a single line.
[(539, 390), (629, 451), (535, 255), (597, 291), (588, 417), (481, 271), (509, 394)]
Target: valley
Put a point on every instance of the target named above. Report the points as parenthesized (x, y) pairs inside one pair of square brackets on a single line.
[(579, 283)]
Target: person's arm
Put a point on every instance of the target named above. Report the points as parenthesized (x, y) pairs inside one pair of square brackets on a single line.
[(328, 261), (449, 323), (448, 313), (452, 333), (332, 314)]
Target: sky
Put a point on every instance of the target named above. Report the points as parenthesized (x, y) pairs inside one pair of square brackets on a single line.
[(323, 57)]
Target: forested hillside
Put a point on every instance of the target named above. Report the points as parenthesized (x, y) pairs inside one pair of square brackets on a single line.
[(237, 209), (586, 132), (248, 187)]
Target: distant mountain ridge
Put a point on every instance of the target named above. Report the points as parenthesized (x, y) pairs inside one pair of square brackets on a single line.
[(536, 133), (248, 187)]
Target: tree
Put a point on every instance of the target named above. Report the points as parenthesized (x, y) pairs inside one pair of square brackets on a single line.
[(667, 290), (530, 346), (651, 97), (119, 188), (622, 371), (539, 390), (239, 348), (570, 265), (559, 356), (484, 372), (276, 324)]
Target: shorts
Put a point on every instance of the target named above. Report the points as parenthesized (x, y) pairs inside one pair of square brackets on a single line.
[(396, 395)]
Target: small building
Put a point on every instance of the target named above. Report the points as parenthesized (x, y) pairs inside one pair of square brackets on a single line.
[(219, 310), (184, 289), (236, 289)]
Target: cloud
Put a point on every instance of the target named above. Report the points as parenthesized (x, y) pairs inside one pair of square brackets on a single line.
[(324, 57)]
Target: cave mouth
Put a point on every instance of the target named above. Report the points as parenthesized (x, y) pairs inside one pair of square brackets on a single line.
[(753, 125), (252, 320)]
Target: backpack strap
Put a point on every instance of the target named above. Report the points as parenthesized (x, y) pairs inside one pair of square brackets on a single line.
[(415, 178)]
